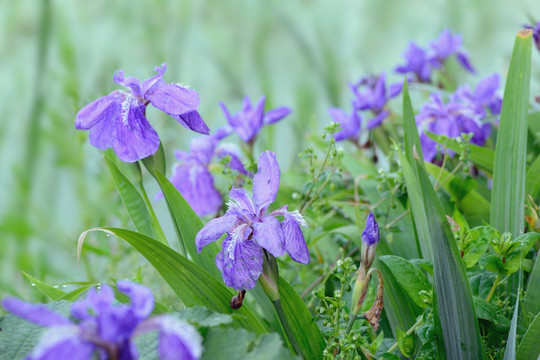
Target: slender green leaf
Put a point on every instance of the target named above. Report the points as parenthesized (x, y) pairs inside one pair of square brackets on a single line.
[(133, 200), (72, 295), (409, 277), (529, 347), (49, 291), (508, 194), (531, 300), (479, 155), (457, 316), (510, 353), (302, 323), (532, 179), (193, 285), (187, 224), (412, 140)]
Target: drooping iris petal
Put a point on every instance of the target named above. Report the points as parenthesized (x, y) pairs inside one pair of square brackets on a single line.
[(240, 262), (38, 314), (173, 99), (266, 181), (99, 110), (275, 115), (269, 234), (62, 342), (177, 339), (465, 62), (135, 138), (192, 120), (142, 299), (377, 119), (295, 244), (213, 230)]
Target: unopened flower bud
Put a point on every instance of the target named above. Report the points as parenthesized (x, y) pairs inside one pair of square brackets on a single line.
[(370, 239), (269, 278)]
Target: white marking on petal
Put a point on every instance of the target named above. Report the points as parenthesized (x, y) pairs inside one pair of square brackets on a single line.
[(126, 104), (298, 218)]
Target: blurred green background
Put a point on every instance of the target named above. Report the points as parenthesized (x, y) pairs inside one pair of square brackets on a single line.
[(58, 55)]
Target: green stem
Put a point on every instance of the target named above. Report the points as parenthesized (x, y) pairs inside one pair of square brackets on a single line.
[(157, 226), (287, 327), (419, 322), (495, 283), (350, 324)]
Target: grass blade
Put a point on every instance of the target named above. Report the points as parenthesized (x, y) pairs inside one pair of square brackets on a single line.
[(508, 195), (529, 347), (532, 179)]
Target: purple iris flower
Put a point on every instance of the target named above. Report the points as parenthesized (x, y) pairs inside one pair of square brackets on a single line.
[(349, 124), (421, 62), (106, 328), (118, 120), (248, 122), (370, 93), (450, 119), (447, 45), (417, 62), (484, 96), (192, 176), (370, 235), (250, 230), (536, 33)]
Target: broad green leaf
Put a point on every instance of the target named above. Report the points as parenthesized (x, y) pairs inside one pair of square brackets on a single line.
[(239, 344), (409, 277), (193, 285), (400, 310), (492, 314), (406, 343), (133, 200), (473, 204), (455, 307), (18, 336), (508, 194), (202, 316), (476, 243), (460, 220), (302, 323), (410, 131), (529, 347), (520, 247), (187, 224), (532, 179), (481, 156)]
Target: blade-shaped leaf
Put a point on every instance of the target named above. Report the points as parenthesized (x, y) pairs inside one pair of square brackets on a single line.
[(455, 306), (529, 347), (301, 321), (510, 353), (508, 194), (187, 224), (531, 300), (412, 140), (49, 291), (133, 200), (193, 285), (532, 179)]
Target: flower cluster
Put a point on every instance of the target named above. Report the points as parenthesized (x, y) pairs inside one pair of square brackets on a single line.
[(250, 120), (107, 329), (192, 176), (250, 230), (463, 113), (421, 62), (118, 120), (369, 94)]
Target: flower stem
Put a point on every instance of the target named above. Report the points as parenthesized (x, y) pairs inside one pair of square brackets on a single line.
[(350, 324), (495, 283), (287, 327), (419, 322)]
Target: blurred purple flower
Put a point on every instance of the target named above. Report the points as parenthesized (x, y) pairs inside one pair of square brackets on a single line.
[(370, 93), (349, 124), (421, 62), (451, 120), (118, 120), (536, 33), (107, 328), (447, 45), (484, 96), (417, 62), (249, 121), (192, 176), (250, 230)]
